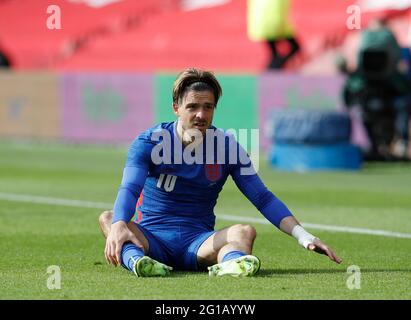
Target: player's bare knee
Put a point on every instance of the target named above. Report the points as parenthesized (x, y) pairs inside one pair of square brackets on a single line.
[(245, 231), (250, 232), (105, 217)]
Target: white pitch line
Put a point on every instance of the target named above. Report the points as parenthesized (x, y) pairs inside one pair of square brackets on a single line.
[(54, 201), (323, 227), (102, 205)]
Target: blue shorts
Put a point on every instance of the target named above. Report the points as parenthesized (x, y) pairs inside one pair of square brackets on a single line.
[(175, 247)]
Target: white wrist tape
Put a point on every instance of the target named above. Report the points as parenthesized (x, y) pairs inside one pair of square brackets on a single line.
[(303, 237)]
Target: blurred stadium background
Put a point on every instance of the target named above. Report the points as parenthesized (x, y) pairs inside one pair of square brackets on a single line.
[(75, 97), (107, 73)]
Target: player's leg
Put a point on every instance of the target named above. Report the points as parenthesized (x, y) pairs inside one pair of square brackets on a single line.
[(228, 252), (134, 258), (239, 237), (105, 223)]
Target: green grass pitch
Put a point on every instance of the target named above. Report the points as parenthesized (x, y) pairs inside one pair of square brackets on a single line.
[(34, 236)]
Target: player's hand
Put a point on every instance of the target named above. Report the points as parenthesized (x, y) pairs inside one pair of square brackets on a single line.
[(119, 234), (322, 248)]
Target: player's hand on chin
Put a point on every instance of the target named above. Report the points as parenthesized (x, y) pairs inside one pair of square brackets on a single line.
[(119, 234), (322, 248)]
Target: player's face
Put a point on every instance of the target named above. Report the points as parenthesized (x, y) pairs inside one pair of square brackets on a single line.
[(196, 110)]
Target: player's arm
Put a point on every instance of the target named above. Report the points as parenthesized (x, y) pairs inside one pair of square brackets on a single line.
[(134, 176), (131, 185), (291, 226), (124, 207), (278, 214)]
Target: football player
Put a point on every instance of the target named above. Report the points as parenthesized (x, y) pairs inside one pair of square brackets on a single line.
[(175, 171)]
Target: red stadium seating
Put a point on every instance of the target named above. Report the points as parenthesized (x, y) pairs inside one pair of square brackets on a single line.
[(153, 35), (25, 36)]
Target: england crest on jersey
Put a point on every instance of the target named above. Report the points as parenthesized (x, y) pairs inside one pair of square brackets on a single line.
[(213, 172)]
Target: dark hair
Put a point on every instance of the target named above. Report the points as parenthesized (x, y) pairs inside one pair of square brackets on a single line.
[(198, 80)]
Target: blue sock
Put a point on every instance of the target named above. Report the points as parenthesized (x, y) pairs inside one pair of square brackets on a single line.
[(232, 255), (130, 253)]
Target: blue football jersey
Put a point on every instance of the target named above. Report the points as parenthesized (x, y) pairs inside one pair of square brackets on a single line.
[(176, 192)]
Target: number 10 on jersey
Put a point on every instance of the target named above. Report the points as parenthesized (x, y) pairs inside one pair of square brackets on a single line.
[(169, 182)]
